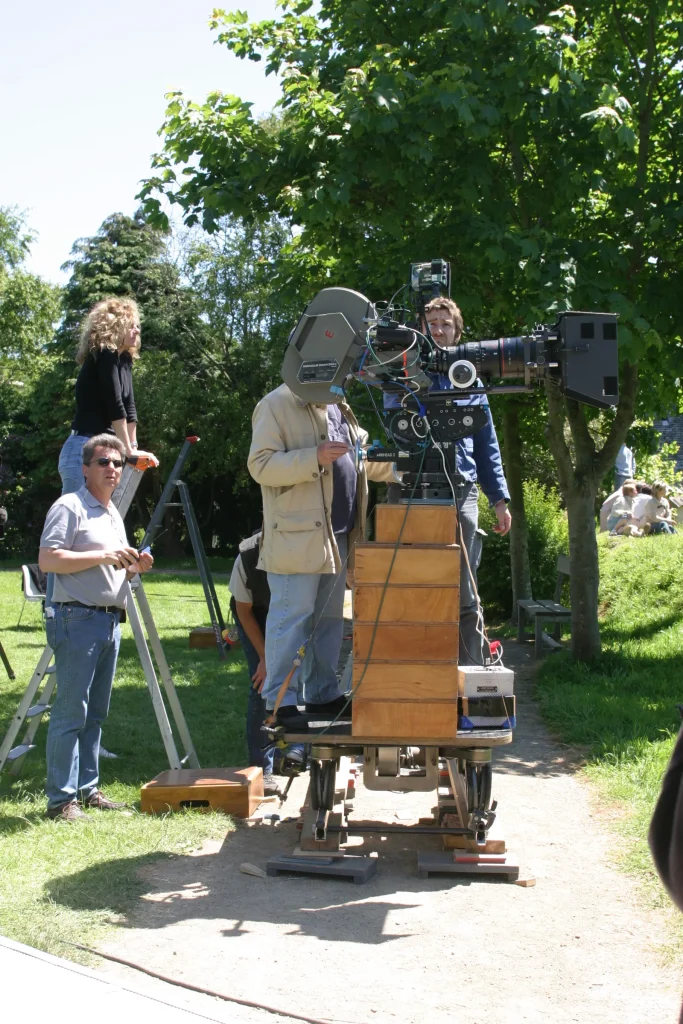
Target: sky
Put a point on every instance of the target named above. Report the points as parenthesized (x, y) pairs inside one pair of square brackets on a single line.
[(82, 87)]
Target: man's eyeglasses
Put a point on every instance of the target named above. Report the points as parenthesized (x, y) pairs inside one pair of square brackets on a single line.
[(116, 463)]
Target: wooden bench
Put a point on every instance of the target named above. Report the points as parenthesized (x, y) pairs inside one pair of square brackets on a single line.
[(545, 612)]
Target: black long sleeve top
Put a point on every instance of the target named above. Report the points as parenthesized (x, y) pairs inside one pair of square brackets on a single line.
[(104, 393)]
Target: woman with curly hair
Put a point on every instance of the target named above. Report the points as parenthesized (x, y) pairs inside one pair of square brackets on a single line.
[(109, 343)]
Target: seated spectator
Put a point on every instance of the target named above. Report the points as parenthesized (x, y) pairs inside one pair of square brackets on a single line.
[(620, 519), (638, 505), (656, 517), (606, 508), (642, 498)]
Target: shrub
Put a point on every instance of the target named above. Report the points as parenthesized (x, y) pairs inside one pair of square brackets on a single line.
[(548, 537)]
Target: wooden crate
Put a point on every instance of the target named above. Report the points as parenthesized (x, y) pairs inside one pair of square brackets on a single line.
[(202, 636), (428, 565), (391, 641), (405, 680), (388, 719), (416, 524), (406, 604), (236, 791)]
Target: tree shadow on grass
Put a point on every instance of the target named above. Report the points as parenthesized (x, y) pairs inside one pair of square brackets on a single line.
[(614, 634), (621, 698)]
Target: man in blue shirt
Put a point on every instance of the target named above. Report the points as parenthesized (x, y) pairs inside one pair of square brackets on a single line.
[(478, 461)]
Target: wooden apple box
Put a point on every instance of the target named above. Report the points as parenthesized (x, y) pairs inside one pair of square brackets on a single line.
[(202, 636), (236, 791), (406, 631)]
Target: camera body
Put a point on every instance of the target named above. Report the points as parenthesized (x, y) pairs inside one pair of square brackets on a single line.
[(343, 336)]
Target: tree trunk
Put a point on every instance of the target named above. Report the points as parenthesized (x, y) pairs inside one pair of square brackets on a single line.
[(519, 541), (579, 475), (584, 579)]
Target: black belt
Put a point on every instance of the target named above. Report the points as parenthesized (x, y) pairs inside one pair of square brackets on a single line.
[(93, 607)]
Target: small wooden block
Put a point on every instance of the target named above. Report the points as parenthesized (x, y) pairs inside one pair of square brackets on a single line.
[(463, 843), (236, 791), (428, 565), (526, 883), (202, 636), (390, 641), (415, 524)]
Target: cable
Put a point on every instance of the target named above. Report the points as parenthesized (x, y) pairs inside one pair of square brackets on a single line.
[(196, 988), (397, 543)]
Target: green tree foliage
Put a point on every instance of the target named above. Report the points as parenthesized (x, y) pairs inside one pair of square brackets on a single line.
[(214, 325), (535, 147), (548, 537), (29, 306), (29, 311), (128, 256)]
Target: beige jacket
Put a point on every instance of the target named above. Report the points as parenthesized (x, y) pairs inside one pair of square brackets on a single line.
[(297, 492)]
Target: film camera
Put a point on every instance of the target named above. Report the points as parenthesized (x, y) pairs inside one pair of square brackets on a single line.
[(342, 335)]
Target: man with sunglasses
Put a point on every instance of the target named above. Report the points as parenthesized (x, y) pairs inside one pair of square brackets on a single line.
[(84, 544)]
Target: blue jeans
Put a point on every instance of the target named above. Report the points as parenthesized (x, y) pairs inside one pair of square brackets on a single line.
[(86, 646), (71, 471), (471, 642), (302, 604), (256, 710), (662, 527), (71, 462)]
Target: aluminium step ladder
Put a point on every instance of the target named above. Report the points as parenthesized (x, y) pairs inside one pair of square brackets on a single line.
[(42, 683)]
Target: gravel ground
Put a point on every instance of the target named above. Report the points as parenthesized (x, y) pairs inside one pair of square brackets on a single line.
[(576, 947)]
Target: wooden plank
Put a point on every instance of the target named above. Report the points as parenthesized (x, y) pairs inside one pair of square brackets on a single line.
[(483, 738), (416, 524), (420, 565), (406, 604), (405, 680), (408, 719), (406, 641)]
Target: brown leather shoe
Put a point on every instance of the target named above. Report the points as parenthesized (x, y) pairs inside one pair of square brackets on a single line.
[(100, 802), (69, 811)]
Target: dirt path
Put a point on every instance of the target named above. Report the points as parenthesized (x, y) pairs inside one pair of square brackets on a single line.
[(574, 948)]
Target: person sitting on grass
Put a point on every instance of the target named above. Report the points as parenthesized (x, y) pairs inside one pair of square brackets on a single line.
[(656, 517), (620, 519)]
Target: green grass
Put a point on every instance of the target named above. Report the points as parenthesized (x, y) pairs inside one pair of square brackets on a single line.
[(71, 882), (623, 707)]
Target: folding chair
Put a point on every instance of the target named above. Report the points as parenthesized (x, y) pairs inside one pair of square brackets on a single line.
[(32, 585)]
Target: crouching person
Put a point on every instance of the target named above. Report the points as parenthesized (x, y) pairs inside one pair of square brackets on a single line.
[(249, 602), (314, 508), (84, 544)]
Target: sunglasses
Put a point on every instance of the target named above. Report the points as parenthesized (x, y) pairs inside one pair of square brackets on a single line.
[(116, 463)]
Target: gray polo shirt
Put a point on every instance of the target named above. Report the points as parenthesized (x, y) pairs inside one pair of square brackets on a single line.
[(79, 522)]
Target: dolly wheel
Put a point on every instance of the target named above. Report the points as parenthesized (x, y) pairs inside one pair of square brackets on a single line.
[(323, 778)]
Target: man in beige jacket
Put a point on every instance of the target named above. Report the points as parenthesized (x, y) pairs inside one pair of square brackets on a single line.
[(314, 507)]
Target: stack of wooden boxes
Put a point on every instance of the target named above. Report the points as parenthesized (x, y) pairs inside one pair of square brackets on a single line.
[(406, 658)]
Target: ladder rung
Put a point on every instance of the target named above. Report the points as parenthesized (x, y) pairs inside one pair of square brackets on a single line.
[(17, 752), (37, 709)]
